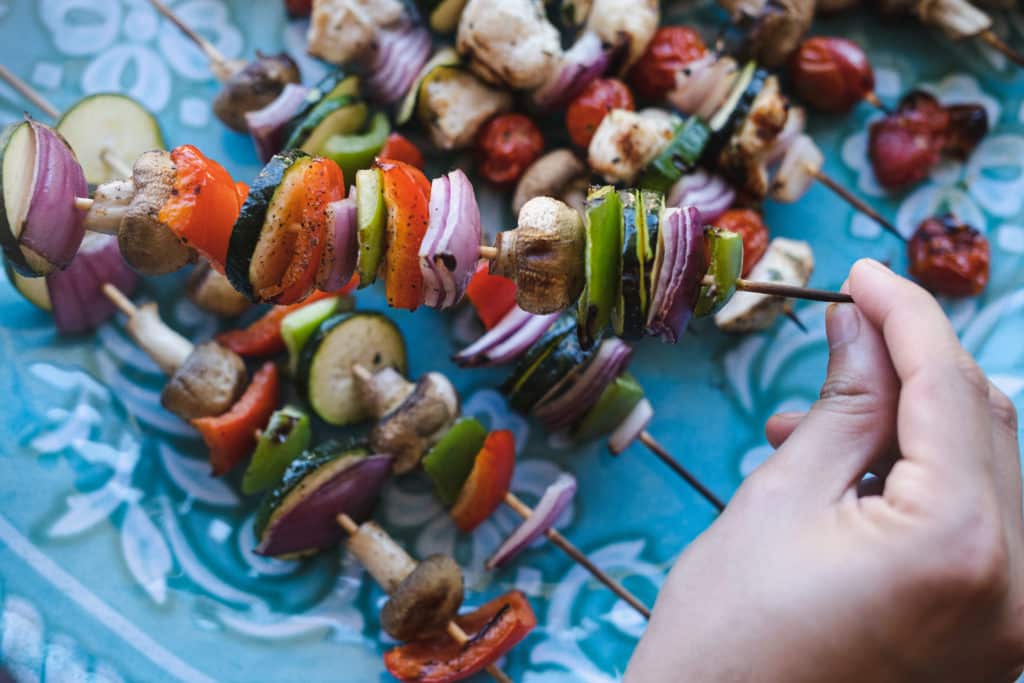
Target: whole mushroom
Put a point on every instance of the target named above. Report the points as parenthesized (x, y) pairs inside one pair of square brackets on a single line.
[(425, 601), (252, 86)]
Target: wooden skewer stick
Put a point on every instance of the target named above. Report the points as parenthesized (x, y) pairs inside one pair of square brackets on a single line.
[(29, 93), (659, 450), (219, 64), (107, 154), (454, 630), (872, 98), (524, 511), (123, 303), (992, 40), (854, 201)]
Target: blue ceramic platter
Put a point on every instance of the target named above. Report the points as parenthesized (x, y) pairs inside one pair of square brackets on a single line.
[(122, 560)]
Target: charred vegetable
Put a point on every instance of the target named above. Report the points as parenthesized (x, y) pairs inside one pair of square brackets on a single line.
[(425, 601), (207, 384), (210, 290), (253, 86), (284, 438), (408, 431)]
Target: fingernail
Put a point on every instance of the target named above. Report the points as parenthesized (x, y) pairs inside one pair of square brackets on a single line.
[(842, 324)]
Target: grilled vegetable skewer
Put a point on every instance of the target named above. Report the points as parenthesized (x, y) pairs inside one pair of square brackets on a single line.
[(248, 86), (394, 570)]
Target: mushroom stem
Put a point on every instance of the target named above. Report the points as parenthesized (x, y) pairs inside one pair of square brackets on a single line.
[(29, 93), (167, 348), (454, 630), (83, 203), (218, 62), (489, 253), (524, 511), (992, 40), (659, 450), (854, 201)]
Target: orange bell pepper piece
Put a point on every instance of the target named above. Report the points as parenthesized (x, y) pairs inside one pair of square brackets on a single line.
[(488, 481), (493, 630), (203, 206), (400, 148), (491, 295), (232, 436), (263, 337), (407, 197)]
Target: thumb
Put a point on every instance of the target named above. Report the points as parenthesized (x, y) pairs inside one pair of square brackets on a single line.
[(854, 421)]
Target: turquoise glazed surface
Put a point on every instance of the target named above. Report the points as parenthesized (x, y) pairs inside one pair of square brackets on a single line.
[(121, 559)]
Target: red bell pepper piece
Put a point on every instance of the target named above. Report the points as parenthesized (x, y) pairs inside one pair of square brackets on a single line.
[(232, 436), (400, 148), (494, 629), (263, 337), (204, 205), (488, 481), (491, 295), (407, 197)]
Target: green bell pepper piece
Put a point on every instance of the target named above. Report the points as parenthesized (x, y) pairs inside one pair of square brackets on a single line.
[(286, 436), (451, 459), (725, 268), (299, 325), (614, 405), (370, 222), (678, 158), (355, 152), (603, 263)]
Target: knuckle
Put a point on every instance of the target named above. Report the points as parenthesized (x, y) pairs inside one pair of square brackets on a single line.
[(764, 484), (1002, 408), (849, 395), (972, 373), (975, 558)]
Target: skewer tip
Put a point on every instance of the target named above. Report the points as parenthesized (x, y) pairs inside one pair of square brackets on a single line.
[(348, 524), (854, 201), (995, 42), (489, 253)]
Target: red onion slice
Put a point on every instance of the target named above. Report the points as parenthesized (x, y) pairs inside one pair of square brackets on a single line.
[(76, 293), (342, 249), (450, 249), (796, 121), (267, 125), (709, 193), (585, 61), (552, 504), (679, 274), (632, 427), (506, 341), (400, 55), (50, 231), (560, 411)]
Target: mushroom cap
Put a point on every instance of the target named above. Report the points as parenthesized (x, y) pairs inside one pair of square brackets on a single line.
[(417, 423), (253, 87), (425, 601), (147, 244), (548, 176), (208, 383)]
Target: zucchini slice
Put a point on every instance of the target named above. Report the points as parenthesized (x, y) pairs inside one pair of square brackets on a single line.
[(17, 159), (545, 364), (259, 221), (109, 121), (343, 341), (631, 309), (298, 516), (444, 57), (34, 289), (733, 112), (319, 115)]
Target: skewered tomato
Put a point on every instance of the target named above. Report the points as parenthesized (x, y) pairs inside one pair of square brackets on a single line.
[(751, 228), (949, 257), (831, 74), (671, 49), (968, 124), (400, 148), (506, 145), (586, 112)]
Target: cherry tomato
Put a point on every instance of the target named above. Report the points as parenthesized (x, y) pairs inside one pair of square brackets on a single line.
[(831, 74), (586, 112), (299, 8), (506, 146), (671, 49), (949, 257), (400, 148), (751, 228), (905, 145), (968, 124)]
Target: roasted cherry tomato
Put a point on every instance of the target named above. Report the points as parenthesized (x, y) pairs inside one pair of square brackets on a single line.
[(506, 145), (831, 74), (299, 8), (751, 228), (949, 257), (671, 49), (905, 145), (586, 112), (968, 124), (400, 148)]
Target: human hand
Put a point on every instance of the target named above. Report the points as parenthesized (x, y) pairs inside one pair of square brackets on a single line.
[(811, 575)]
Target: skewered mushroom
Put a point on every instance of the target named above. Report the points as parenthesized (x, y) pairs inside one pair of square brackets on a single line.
[(211, 291), (552, 175), (425, 600), (250, 86), (408, 431), (544, 256), (208, 383)]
